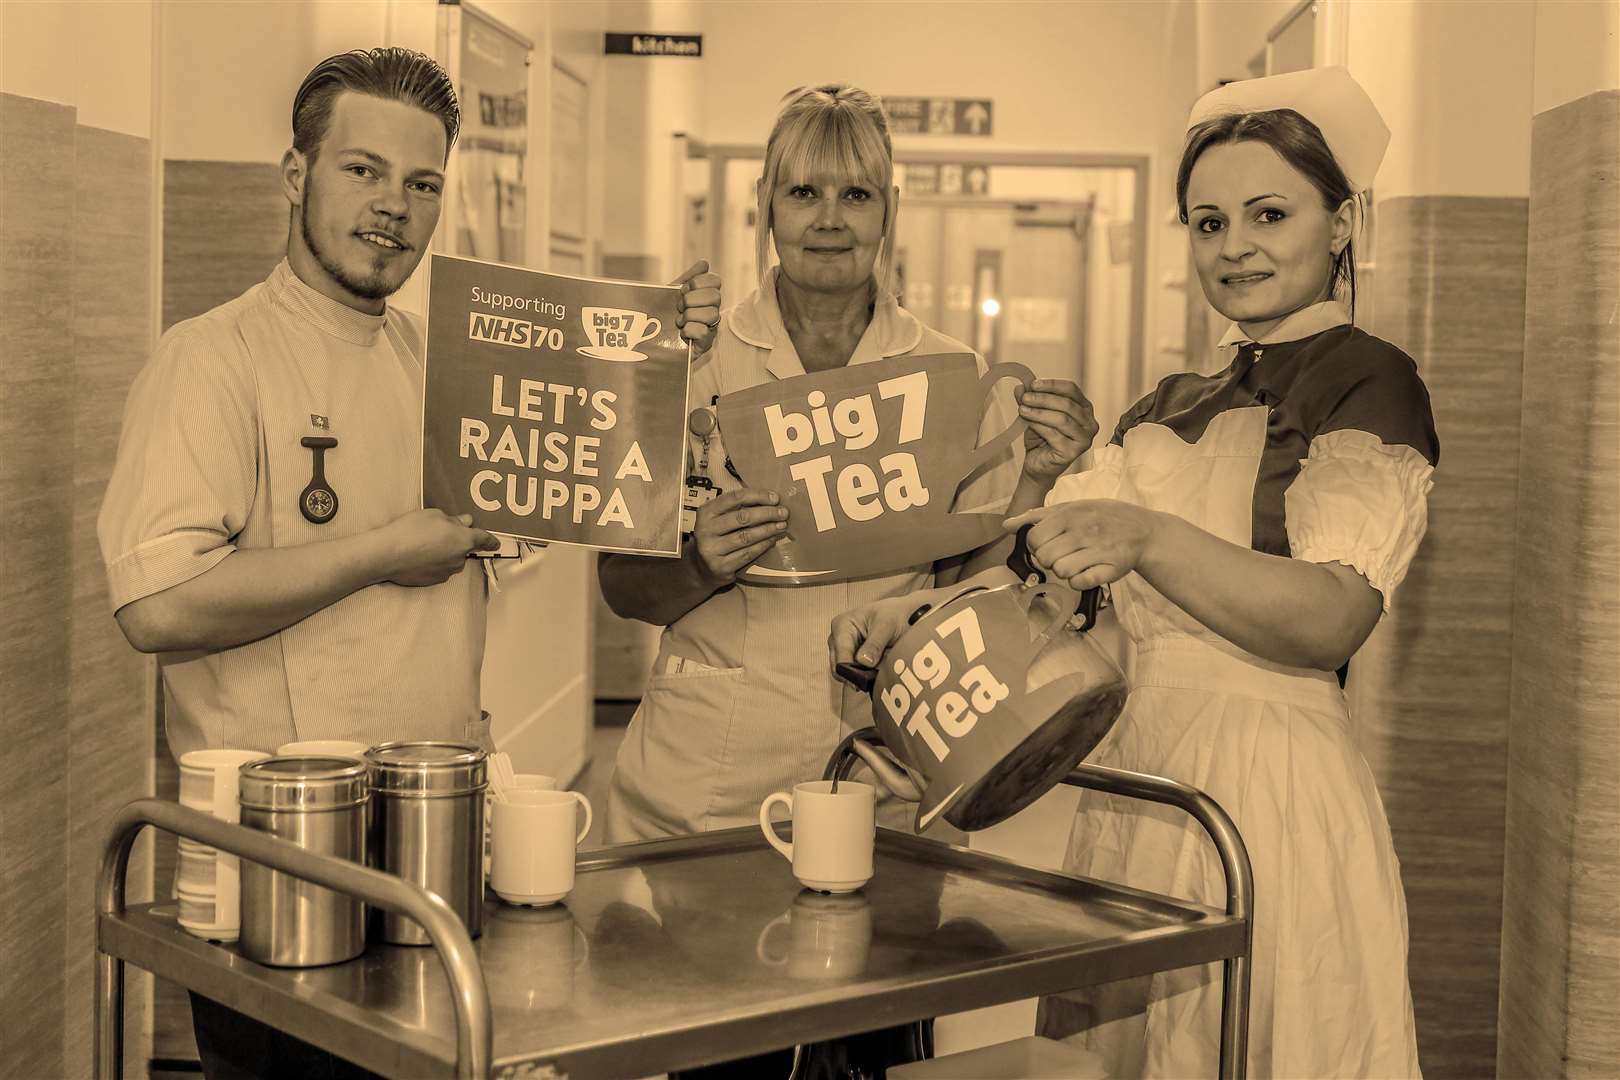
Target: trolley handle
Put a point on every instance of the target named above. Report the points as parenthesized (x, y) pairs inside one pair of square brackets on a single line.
[(468, 992), (1239, 884)]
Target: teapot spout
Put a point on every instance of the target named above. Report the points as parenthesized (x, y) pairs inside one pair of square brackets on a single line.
[(844, 758)]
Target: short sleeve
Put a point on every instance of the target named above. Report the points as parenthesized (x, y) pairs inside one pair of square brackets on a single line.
[(992, 489), (1360, 502), (1362, 494), (183, 481)]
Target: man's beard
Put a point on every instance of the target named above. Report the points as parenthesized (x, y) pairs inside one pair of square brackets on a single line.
[(374, 286)]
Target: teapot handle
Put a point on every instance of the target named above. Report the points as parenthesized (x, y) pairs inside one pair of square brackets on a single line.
[(1090, 602), (1020, 563), (859, 676)]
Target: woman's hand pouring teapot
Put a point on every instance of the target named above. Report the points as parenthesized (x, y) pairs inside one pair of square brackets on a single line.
[(988, 692)]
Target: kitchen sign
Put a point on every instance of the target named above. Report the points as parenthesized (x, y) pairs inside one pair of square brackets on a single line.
[(867, 460), (554, 407), (654, 45), (940, 116)]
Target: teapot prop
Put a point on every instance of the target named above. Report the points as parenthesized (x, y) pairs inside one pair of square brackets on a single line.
[(991, 697)]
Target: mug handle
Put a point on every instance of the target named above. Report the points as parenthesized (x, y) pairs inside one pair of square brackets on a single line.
[(765, 822), (759, 946), (586, 803), (986, 453), (653, 328)]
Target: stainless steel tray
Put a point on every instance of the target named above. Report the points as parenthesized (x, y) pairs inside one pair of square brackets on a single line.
[(675, 953)]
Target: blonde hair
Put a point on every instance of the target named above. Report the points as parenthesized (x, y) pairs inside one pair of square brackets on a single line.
[(831, 129)]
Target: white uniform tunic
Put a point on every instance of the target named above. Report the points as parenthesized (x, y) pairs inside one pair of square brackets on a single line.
[(210, 461), (760, 709), (1319, 445)]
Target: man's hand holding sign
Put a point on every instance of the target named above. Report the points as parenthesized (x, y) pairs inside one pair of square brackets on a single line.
[(426, 547)]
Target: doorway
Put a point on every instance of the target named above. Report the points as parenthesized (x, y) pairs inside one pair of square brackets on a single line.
[(1007, 278), (1038, 258)]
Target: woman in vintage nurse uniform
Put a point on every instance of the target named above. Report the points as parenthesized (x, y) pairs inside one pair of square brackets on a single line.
[(1254, 524)]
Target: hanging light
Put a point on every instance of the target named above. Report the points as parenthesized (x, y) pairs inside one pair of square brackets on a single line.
[(991, 307)]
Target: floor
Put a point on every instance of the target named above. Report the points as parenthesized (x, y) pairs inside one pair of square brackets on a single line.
[(1037, 836)]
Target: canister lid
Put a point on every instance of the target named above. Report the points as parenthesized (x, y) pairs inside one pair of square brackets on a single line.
[(303, 783), (426, 768)]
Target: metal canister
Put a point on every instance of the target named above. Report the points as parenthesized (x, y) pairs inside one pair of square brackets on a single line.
[(428, 827), (318, 803)]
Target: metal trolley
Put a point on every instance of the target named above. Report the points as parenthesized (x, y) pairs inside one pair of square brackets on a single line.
[(679, 968)]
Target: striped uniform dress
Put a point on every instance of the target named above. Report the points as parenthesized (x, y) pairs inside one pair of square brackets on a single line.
[(742, 700)]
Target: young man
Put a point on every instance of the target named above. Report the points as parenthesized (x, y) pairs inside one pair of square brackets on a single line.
[(261, 530)]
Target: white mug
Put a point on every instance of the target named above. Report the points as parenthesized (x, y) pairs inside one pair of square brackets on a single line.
[(523, 781), (614, 333), (210, 782), (535, 839), (833, 833)]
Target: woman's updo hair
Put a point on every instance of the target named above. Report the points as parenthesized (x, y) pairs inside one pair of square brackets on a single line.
[(1298, 142), (832, 130)]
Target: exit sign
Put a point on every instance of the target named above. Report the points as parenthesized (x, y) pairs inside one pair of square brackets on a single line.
[(946, 179), (654, 45), (940, 115)]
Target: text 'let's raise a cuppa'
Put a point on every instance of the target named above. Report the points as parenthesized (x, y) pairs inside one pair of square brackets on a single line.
[(555, 451)]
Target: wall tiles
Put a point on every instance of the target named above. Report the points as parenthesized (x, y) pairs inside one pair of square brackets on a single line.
[(36, 489), (224, 230), (1430, 690), (111, 761), (1560, 1005)]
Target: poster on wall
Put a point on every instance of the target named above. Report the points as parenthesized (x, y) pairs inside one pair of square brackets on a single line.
[(554, 407), (868, 460), (490, 193)]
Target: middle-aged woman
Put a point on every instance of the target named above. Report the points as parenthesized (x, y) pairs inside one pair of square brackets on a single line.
[(1254, 524), (740, 702)]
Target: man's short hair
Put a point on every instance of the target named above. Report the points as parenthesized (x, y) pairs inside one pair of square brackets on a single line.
[(393, 74)]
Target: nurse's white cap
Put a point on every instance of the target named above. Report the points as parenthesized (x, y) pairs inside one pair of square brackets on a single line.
[(1328, 97)]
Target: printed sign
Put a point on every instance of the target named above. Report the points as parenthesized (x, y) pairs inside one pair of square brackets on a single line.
[(554, 408), (939, 116), (653, 45), (946, 179), (867, 460)]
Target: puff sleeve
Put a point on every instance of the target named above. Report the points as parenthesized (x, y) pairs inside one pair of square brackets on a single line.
[(1361, 496)]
